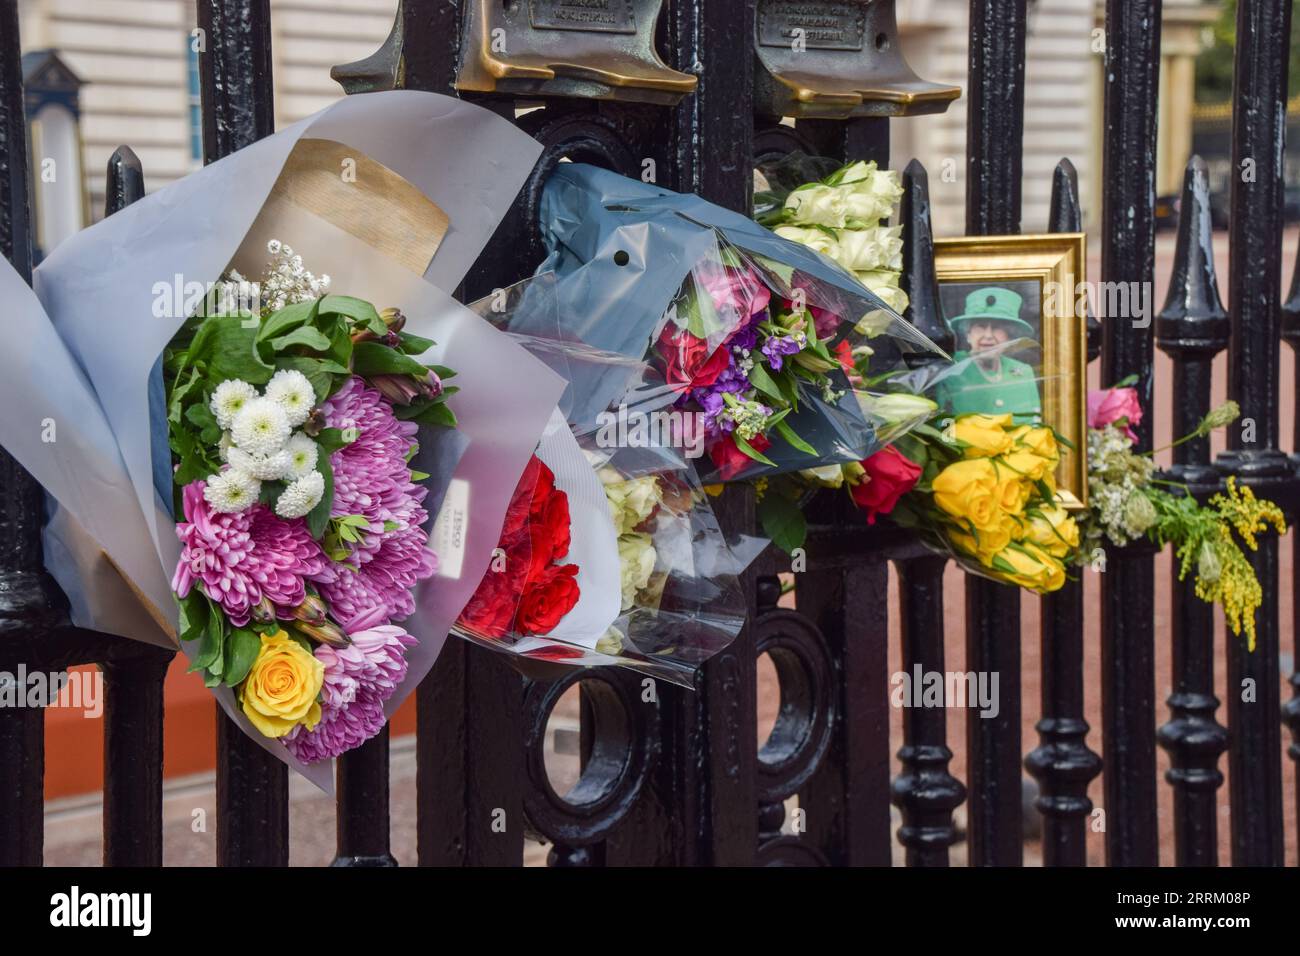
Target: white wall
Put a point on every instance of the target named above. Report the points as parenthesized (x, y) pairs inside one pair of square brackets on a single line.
[(1060, 118)]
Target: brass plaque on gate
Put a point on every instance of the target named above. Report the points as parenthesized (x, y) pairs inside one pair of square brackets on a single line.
[(817, 25), (591, 16), (836, 59)]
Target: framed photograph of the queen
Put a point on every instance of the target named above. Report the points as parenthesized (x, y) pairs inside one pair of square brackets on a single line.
[(1017, 310)]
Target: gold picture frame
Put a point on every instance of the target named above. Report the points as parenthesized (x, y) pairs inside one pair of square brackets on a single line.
[(1057, 264)]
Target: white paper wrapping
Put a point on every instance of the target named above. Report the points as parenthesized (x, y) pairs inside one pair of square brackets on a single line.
[(80, 357)]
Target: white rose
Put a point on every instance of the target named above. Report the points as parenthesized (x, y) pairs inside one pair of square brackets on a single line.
[(872, 194), (636, 558), (814, 239), (896, 410), (870, 249), (632, 501), (817, 205), (831, 476)]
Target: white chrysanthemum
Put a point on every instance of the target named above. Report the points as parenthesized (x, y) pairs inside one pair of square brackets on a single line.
[(291, 390), (229, 399), (224, 446), (261, 427), (302, 452), (232, 490), (270, 467), (301, 496), (273, 247)]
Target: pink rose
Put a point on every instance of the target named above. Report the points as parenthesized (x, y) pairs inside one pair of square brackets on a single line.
[(1115, 405), (737, 290)]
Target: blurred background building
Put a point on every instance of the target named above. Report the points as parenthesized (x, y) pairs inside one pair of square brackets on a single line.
[(132, 70)]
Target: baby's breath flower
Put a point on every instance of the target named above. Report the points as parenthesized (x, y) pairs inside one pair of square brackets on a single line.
[(229, 398), (232, 490)]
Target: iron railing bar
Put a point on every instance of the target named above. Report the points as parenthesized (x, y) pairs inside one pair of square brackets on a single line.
[(1128, 586), (1254, 371), (1063, 763), (994, 162), (237, 108)]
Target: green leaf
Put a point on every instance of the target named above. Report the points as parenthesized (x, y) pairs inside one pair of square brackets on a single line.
[(290, 317), (210, 644), (194, 610), (764, 382), (305, 336), (414, 344), (202, 418), (319, 517), (241, 650), (442, 371), (374, 358), (432, 413), (785, 431), (321, 373), (783, 522), (226, 348), (331, 440), (749, 450), (180, 393), (359, 310)]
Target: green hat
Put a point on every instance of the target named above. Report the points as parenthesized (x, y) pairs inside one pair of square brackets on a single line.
[(993, 304)]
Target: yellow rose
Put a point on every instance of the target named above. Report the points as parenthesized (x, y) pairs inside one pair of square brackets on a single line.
[(982, 545), (1028, 464), (1034, 568), (986, 435), (1013, 489), (282, 686), (1053, 530), (1039, 441), (968, 489)]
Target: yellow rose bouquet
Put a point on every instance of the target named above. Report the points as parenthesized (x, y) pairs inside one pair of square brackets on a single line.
[(987, 496)]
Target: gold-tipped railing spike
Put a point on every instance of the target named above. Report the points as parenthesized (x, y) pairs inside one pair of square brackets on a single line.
[(836, 59)]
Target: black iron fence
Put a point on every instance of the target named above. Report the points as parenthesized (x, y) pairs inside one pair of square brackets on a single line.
[(681, 780)]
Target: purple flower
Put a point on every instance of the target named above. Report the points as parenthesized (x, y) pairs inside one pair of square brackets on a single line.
[(241, 558), (372, 479), (359, 678), (778, 346)]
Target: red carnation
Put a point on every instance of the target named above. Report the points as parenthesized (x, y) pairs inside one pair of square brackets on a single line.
[(890, 475)]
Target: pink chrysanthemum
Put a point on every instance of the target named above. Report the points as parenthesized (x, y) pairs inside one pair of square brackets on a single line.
[(241, 558), (358, 679), (372, 478)]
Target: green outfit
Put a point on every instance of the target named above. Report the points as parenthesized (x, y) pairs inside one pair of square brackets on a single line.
[(1011, 387)]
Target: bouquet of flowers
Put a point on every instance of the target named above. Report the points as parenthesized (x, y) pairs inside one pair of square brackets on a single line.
[(756, 336), (839, 213), (1128, 501), (610, 553), (303, 535), (985, 493), (270, 476)]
